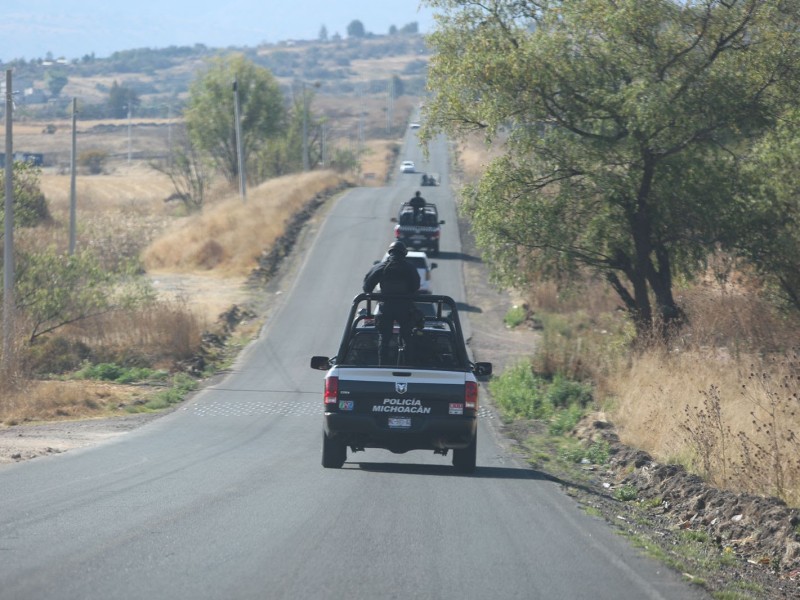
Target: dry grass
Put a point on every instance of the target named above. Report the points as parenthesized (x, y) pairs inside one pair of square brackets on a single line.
[(59, 400), (733, 421), (159, 333), (229, 236), (376, 162)]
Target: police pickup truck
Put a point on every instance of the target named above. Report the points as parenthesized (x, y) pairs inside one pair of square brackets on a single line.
[(421, 230), (426, 398)]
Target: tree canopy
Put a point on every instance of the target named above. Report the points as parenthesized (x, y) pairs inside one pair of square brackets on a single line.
[(626, 126), (210, 114), (355, 29)]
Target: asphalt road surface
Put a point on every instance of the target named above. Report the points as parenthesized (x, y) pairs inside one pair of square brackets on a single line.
[(225, 498)]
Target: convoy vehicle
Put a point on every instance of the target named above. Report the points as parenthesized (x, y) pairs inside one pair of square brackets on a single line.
[(425, 399), (420, 232), (408, 166), (429, 179)]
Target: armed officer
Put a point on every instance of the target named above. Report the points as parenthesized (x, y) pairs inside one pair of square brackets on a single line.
[(418, 204), (399, 281)]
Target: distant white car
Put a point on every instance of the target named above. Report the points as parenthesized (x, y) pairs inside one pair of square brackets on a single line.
[(424, 268), (408, 166), (414, 126)]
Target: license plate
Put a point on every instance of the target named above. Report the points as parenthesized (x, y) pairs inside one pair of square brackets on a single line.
[(399, 421)]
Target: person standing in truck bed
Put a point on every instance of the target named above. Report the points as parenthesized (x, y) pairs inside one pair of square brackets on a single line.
[(418, 204), (399, 281)]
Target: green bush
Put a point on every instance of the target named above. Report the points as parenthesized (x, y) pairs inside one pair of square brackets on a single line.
[(564, 393), (565, 420), (30, 206), (182, 384), (626, 493), (515, 316), (518, 394), (118, 374)]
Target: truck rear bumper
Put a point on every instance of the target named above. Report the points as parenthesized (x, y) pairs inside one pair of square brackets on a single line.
[(431, 433)]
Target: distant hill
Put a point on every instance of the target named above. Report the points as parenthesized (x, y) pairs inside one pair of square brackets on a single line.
[(355, 67)]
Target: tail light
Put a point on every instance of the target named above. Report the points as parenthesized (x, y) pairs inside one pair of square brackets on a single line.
[(471, 395), (397, 231), (331, 390)]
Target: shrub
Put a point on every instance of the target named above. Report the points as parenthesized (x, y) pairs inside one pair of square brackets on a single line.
[(93, 161), (54, 355), (564, 393), (515, 316), (518, 394), (30, 206)]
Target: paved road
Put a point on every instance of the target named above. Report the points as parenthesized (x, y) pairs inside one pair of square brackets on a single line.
[(225, 498)]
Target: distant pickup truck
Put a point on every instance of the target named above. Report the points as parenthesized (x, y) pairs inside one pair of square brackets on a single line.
[(425, 399), (421, 232)]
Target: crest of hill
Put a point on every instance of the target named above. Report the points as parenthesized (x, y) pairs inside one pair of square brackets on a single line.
[(161, 77)]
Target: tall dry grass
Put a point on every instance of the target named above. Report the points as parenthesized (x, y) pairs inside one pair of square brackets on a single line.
[(228, 237), (722, 398)]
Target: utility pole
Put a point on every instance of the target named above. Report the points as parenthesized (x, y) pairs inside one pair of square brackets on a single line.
[(323, 150), (8, 240), (390, 108), (305, 129), (72, 197), (361, 114), (169, 132), (129, 134), (238, 130)]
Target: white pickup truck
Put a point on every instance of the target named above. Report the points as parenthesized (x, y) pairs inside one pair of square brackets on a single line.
[(426, 399)]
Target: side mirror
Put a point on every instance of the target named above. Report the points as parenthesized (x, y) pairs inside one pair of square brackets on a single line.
[(441, 222), (433, 266), (393, 219), (320, 363), (482, 369)]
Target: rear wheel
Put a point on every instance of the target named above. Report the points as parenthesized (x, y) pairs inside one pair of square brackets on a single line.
[(333, 453), (435, 251), (464, 458)]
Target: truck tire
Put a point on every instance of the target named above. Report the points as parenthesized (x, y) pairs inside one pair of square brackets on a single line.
[(333, 453), (435, 251), (464, 458)]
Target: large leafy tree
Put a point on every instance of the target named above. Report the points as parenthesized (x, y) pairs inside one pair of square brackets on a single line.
[(772, 205), (626, 124), (210, 114)]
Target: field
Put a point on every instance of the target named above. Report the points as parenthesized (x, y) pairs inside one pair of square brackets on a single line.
[(197, 265)]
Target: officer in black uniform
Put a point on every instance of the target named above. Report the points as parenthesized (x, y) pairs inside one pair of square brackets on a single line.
[(399, 281), (418, 204)]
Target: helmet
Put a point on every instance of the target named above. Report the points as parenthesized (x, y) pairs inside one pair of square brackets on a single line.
[(397, 249)]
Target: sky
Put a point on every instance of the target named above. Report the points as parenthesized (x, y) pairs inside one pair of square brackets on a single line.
[(72, 29)]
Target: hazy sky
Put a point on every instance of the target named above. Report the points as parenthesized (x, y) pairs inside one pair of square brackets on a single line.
[(73, 28)]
